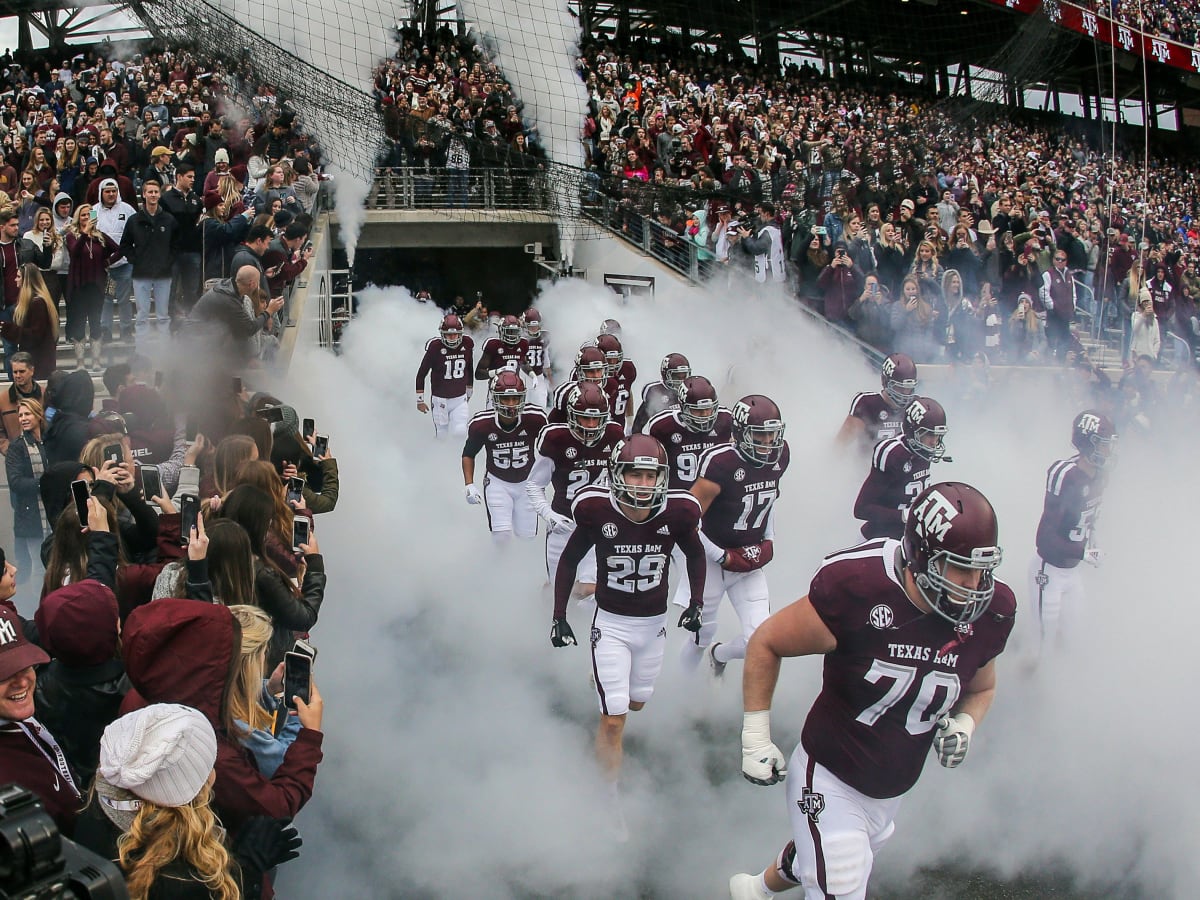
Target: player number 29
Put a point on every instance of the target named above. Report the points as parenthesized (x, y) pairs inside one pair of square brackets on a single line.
[(760, 503), (456, 368), (920, 718), (630, 575)]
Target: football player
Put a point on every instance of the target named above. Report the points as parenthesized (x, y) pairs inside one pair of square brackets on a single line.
[(537, 358), (1065, 534), (910, 631), (696, 424), (876, 416), (505, 351), (663, 394), (589, 366), (571, 456), (737, 485), (507, 431), (621, 372), (632, 527), (447, 362), (900, 469)]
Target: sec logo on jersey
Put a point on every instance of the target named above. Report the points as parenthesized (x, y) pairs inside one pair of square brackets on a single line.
[(493, 436), (676, 438), (609, 530), (881, 616), (571, 453), (739, 475)]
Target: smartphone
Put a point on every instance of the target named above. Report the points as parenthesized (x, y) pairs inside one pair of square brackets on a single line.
[(271, 413), (321, 445), (297, 678), (309, 428), (237, 385), (300, 532), (820, 229), (189, 512), (303, 646), (113, 452), (94, 215), (295, 490), (151, 482), (191, 430), (158, 380), (80, 491)]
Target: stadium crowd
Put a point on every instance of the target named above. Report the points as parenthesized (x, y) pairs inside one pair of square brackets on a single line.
[(165, 560), (1172, 19)]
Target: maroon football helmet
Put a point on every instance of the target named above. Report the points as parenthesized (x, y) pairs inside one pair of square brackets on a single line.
[(899, 378), (510, 330), (925, 418), (610, 346), (1095, 437), (673, 369), (952, 524), (587, 400), (758, 430), (451, 331), (531, 321), (698, 404), (610, 326), (590, 365), (639, 453), (507, 393)]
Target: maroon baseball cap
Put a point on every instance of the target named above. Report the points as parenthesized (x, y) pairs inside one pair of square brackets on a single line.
[(16, 653), (78, 623)]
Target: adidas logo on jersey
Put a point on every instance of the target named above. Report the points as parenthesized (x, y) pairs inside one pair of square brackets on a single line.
[(664, 530)]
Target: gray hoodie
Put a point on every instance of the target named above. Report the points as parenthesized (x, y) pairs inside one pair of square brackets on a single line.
[(62, 259)]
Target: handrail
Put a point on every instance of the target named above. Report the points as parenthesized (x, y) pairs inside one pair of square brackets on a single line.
[(414, 187)]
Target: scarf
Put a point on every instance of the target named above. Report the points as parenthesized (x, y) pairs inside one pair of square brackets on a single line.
[(37, 463)]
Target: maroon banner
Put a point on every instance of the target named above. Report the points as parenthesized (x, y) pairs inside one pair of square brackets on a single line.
[(1098, 28)]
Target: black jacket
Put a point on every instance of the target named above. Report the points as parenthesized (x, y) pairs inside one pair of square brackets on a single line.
[(186, 210), (149, 243), (72, 397), (289, 612), (23, 488)]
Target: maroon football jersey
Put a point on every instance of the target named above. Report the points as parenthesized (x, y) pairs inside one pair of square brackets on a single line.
[(633, 559), (450, 371), (504, 356), (894, 672), (739, 515), (656, 397), (881, 418), (574, 464), (509, 450), (620, 388), (1068, 514), (537, 351), (684, 447), (897, 476)]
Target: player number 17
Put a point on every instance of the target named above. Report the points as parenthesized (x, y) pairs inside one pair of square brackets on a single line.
[(759, 502)]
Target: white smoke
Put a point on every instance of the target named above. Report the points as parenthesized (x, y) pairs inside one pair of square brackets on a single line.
[(458, 741)]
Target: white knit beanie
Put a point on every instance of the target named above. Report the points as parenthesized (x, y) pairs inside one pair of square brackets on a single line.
[(162, 753)]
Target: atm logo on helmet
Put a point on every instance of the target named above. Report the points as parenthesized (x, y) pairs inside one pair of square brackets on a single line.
[(916, 412), (933, 515), (889, 367), (1089, 424)]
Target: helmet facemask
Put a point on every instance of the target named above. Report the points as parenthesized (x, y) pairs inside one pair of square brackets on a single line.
[(956, 603), (649, 496)]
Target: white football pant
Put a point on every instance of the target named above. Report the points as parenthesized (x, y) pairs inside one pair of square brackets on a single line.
[(508, 508), (627, 655), (450, 416), (1058, 595)]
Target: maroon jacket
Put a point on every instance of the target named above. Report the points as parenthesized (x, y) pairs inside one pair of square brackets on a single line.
[(90, 258), (22, 762), (182, 651), (840, 287)]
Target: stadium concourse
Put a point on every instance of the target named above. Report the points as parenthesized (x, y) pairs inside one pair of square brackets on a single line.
[(456, 756)]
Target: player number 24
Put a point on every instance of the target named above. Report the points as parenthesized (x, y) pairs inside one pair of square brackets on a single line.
[(920, 719), (629, 575)]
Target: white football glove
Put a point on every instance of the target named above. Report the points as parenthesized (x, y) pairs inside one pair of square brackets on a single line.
[(1093, 556), (953, 739), (762, 761), (473, 495), (559, 522)]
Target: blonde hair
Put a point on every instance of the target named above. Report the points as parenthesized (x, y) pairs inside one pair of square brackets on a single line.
[(257, 631), (160, 835), (33, 290), (34, 407), (93, 451)]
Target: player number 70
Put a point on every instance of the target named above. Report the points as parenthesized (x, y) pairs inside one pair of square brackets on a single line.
[(919, 719)]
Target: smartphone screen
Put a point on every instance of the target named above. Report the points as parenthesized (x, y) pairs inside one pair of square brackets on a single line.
[(192, 429), (295, 490), (158, 380), (80, 491), (113, 452), (309, 427), (151, 482), (297, 678), (321, 446), (237, 384), (189, 511), (300, 530), (271, 413)]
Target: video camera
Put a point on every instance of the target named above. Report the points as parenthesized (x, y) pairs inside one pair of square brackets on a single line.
[(40, 864)]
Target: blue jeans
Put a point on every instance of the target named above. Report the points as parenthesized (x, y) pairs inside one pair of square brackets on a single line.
[(122, 287), (458, 186), (144, 291)]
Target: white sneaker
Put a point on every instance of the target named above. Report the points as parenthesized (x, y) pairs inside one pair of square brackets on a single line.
[(718, 667), (743, 886)]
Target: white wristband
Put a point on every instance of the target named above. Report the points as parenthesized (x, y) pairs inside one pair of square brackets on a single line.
[(757, 725)]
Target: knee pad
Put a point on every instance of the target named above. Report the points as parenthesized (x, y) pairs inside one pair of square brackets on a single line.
[(848, 861)]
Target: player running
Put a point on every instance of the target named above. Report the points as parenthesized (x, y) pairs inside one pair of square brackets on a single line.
[(875, 416), (447, 363)]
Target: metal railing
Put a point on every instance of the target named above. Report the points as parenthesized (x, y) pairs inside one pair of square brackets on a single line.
[(674, 250), (419, 188)]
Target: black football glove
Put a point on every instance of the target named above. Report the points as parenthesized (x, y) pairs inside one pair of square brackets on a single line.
[(690, 618), (264, 843), (561, 634)]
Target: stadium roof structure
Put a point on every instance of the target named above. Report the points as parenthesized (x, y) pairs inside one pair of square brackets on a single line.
[(63, 22), (875, 36)]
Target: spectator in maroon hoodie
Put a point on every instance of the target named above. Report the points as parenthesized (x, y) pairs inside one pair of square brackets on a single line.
[(840, 284)]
